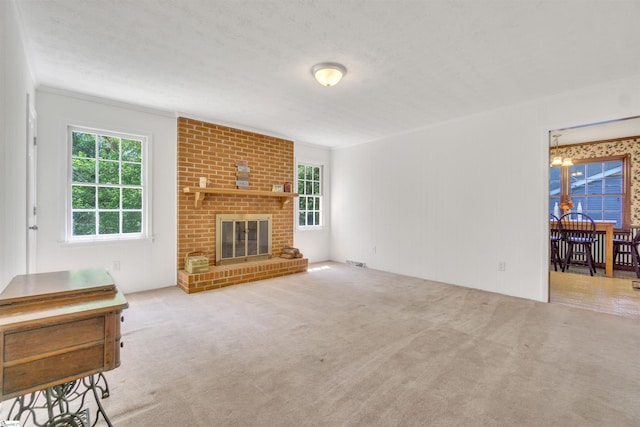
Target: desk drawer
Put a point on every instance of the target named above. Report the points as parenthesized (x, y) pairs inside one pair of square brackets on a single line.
[(40, 341), (54, 369)]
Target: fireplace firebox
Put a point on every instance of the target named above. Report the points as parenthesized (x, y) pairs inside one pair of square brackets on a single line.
[(242, 237)]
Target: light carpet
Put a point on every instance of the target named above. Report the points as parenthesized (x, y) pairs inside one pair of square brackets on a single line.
[(348, 346)]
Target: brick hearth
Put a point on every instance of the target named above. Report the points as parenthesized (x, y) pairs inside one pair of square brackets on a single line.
[(226, 275)]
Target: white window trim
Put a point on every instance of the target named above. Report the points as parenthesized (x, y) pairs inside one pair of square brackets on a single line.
[(322, 203), (147, 221)]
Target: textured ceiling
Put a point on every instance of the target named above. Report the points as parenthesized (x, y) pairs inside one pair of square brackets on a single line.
[(410, 63)]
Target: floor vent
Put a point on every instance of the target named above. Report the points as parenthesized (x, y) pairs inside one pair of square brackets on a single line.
[(356, 263)]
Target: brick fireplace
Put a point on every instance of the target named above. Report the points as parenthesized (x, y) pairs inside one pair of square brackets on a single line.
[(212, 151)]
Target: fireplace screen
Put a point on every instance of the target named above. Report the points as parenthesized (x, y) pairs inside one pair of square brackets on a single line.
[(241, 238)]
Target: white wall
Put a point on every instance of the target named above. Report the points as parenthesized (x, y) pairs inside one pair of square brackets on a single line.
[(15, 84), (314, 244), (143, 264), (432, 184)]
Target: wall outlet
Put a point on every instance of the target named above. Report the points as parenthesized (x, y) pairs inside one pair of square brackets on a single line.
[(502, 266), (115, 266)]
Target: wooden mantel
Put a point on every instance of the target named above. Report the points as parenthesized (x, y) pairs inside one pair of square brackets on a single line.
[(201, 191)]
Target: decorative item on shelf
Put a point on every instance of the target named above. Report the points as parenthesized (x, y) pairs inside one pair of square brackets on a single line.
[(556, 210), (204, 182), (579, 208), (196, 262), (242, 175), (290, 253), (287, 187), (277, 188)]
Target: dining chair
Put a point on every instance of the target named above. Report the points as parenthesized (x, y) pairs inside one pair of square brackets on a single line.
[(555, 237), (628, 246), (579, 232)]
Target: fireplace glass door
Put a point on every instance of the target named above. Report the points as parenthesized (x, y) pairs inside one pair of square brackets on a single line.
[(242, 238)]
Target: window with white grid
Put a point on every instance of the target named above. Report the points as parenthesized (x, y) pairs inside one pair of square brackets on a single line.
[(107, 187), (310, 199)]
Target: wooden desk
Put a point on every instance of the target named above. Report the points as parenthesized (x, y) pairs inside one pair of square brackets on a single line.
[(58, 327), (607, 227)]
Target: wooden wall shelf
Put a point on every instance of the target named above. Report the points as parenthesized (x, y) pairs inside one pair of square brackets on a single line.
[(200, 193)]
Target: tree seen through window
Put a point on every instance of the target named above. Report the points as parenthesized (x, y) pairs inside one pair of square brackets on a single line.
[(310, 199), (106, 184)]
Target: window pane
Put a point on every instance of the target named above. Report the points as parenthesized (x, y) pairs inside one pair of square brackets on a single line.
[(596, 215), (83, 170), (131, 150), (593, 169), (613, 185), (594, 203), (578, 182), (554, 181), (109, 147), (108, 172), (83, 197), (309, 186), (131, 198), (552, 203), (132, 222), (131, 174), (108, 198), (83, 145), (594, 186), (615, 165), (84, 223), (109, 222), (612, 203), (613, 177)]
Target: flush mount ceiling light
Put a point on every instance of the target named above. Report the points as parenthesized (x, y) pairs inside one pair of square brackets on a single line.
[(328, 73)]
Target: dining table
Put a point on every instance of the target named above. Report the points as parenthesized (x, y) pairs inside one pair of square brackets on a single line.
[(605, 226)]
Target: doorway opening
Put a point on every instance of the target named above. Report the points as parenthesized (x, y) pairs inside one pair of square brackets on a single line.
[(591, 182)]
